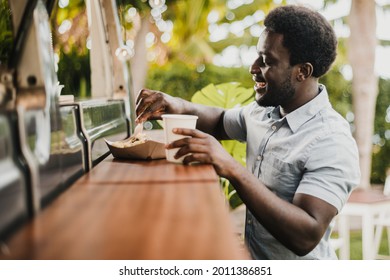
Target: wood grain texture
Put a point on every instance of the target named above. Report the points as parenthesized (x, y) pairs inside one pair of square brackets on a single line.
[(103, 217), (155, 171), (368, 196)]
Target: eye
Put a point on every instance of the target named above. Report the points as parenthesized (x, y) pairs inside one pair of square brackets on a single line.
[(267, 62), (264, 62), (259, 61)]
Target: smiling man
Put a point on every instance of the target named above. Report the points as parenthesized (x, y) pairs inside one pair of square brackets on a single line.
[(302, 162)]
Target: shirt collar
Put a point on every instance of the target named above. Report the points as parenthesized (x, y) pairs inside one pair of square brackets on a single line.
[(301, 115)]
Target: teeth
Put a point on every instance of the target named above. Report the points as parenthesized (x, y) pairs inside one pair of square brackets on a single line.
[(261, 84)]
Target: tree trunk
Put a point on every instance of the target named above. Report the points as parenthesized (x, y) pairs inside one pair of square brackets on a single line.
[(139, 63), (361, 53)]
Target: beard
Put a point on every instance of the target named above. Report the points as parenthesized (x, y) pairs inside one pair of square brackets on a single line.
[(277, 95)]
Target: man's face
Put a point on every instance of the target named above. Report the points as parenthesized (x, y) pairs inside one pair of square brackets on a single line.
[(272, 71)]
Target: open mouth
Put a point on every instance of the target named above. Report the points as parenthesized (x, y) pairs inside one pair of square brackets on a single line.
[(261, 85)]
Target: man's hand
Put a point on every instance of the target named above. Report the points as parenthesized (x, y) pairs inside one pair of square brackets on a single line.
[(151, 104), (203, 148)]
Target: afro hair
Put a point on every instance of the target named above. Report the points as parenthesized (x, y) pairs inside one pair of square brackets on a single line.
[(306, 34)]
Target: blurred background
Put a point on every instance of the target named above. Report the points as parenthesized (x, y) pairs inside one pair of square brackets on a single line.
[(201, 50), (186, 47)]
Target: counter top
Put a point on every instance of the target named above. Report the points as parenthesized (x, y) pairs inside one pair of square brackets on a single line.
[(133, 210)]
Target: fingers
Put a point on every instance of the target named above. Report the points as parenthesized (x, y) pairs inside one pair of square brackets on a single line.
[(149, 105), (197, 158), (144, 100), (143, 93), (190, 132), (192, 149), (152, 112), (196, 137), (195, 148)]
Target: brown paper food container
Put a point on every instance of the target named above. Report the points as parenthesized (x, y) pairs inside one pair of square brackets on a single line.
[(153, 148)]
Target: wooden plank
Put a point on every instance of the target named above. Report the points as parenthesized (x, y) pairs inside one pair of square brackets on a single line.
[(124, 219), (156, 171), (368, 196)]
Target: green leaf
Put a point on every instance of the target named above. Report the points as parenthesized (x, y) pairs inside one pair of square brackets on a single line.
[(227, 95)]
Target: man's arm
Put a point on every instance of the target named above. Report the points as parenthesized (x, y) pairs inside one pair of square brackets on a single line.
[(152, 104), (299, 225)]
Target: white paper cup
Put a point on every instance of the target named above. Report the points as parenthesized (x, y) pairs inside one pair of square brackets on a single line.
[(172, 121)]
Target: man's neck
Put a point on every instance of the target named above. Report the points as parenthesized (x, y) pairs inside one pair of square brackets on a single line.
[(303, 95)]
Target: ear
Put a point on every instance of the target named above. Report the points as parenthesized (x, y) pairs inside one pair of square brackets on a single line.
[(305, 70)]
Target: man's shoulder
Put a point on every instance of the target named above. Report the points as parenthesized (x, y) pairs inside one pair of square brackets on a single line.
[(327, 126), (255, 109), (334, 122)]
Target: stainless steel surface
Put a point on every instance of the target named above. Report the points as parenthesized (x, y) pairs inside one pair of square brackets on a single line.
[(54, 151), (35, 86), (72, 145), (41, 138), (13, 196), (51, 139), (102, 119)]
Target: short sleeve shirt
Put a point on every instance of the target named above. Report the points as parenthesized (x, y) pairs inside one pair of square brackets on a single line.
[(310, 151)]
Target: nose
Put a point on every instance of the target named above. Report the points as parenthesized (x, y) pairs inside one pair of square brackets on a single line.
[(254, 68)]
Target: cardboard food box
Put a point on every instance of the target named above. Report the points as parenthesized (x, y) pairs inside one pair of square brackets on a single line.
[(152, 148)]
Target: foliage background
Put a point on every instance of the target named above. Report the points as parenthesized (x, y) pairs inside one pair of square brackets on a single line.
[(179, 79), (186, 66), (5, 33)]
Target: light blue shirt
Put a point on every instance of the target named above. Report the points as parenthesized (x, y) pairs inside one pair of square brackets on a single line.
[(310, 151)]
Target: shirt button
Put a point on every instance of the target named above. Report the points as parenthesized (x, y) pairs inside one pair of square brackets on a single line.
[(273, 127), (258, 157), (249, 221)]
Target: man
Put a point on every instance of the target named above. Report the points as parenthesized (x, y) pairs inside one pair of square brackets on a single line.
[(302, 162)]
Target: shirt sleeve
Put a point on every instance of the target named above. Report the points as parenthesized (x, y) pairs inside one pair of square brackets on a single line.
[(235, 124), (331, 169)]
